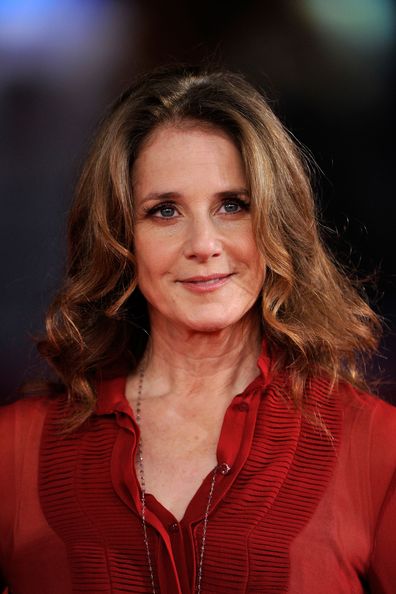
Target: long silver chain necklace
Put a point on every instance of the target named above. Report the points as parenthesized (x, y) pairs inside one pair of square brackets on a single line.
[(143, 499)]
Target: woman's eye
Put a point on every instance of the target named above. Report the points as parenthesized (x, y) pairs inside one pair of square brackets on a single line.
[(166, 211), (163, 211), (234, 206)]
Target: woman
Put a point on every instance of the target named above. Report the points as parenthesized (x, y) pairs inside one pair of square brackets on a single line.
[(211, 435)]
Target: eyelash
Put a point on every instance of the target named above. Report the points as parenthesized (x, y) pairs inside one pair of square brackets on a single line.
[(152, 211)]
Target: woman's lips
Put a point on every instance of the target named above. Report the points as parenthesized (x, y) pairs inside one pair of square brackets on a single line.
[(204, 284)]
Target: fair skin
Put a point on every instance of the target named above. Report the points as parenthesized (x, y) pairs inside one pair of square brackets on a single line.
[(199, 269)]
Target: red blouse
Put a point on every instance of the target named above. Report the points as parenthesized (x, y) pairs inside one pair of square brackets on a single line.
[(295, 512)]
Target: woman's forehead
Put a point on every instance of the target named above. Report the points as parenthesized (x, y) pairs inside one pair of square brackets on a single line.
[(179, 158)]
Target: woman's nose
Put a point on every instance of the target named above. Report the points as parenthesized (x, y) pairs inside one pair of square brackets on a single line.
[(202, 240)]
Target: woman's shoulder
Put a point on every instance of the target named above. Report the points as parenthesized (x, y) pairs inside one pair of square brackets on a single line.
[(370, 433), (25, 406), (366, 423), (369, 412), (368, 408), (23, 416)]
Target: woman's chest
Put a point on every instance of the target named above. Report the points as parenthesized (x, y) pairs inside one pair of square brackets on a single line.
[(253, 544), (173, 463)]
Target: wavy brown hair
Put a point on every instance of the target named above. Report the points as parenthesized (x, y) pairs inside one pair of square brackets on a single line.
[(310, 311)]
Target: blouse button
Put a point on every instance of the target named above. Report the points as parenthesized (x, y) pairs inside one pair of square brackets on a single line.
[(243, 406), (224, 468), (173, 527)]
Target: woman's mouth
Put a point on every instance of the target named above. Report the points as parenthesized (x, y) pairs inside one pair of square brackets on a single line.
[(202, 284)]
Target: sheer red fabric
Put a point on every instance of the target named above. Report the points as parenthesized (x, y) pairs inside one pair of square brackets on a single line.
[(296, 512)]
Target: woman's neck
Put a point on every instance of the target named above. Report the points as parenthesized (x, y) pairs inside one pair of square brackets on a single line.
[(180, 364)]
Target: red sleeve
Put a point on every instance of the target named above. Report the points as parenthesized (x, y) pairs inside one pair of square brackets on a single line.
[(383, 560), (382, 572), (20, 431)]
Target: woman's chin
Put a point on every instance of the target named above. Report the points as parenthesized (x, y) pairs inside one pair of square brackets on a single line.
[(203, 321), (211, 324)]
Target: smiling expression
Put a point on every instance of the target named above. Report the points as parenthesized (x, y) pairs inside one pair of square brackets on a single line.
[(197, 261)]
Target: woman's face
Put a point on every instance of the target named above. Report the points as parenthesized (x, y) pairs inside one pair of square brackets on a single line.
[(197, 261)]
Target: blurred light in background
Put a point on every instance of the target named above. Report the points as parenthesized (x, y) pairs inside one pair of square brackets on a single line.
[(357, 38), (59, 36), (355, 23)]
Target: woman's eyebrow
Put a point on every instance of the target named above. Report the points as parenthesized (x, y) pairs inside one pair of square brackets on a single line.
[(159, 196), (233, 192)]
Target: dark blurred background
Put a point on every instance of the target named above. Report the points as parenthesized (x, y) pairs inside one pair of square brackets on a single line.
[(327, 67)]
